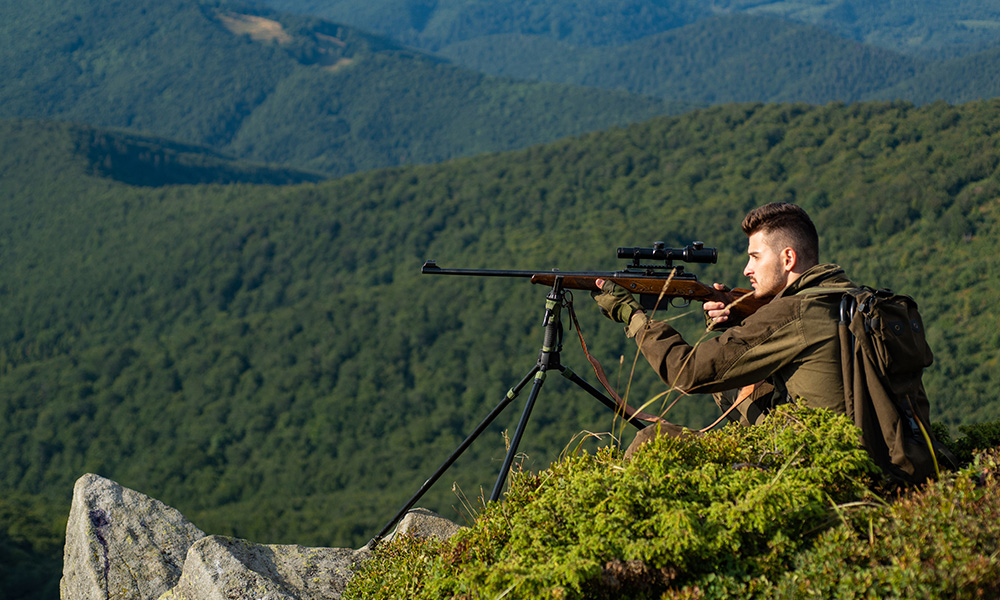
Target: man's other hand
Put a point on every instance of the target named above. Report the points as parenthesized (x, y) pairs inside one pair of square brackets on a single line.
[(615, 301), (717, 312)]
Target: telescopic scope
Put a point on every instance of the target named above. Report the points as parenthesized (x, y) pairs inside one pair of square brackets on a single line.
[(695, 252)]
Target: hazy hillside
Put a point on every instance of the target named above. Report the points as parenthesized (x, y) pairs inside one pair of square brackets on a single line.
[(142, 160), (959, 80), (926, 28), (720, 59), (276, 88), (436, 24), (814, 51)]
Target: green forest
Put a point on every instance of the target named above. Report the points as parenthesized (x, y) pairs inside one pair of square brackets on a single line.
[(710, 53), (267, 87), (707, 63), (268, 359), (296, 90), (922, 28), (213, 215)]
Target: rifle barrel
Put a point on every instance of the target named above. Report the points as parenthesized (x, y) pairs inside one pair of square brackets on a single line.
[(431, 268)]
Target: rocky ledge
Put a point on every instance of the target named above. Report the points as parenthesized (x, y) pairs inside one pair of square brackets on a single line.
[(125, 545)]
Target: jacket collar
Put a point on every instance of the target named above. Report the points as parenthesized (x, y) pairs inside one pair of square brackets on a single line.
[(825, 275)]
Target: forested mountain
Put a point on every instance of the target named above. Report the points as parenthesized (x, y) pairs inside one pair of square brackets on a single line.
[(276, 88), (705, 52), (959, 80), (436, 24), (316, 95), (926, 28), (268, 359), (738, 58), (734, 58)]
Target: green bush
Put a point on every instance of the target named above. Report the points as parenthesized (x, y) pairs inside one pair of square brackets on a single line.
[(723, 512), (940, 542), (783, 510)]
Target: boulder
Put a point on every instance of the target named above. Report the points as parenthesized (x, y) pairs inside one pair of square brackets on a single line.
[(423, 523), (122, 544), (223, 568)]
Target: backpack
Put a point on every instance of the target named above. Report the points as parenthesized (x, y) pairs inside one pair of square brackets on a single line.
[(884, 353)]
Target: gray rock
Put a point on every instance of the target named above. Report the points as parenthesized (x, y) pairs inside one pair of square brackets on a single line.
[(124, 545), (223, 568), (423, 523), (121, 544)]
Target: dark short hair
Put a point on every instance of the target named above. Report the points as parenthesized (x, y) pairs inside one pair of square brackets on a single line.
[(794, 228)]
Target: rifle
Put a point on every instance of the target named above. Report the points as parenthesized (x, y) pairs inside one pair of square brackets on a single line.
[(650, 282)]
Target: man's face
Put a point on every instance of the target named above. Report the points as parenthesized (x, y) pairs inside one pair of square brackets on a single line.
[(765, 267)]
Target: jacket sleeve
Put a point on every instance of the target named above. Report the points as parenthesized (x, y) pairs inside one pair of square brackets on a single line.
[(768, 340)]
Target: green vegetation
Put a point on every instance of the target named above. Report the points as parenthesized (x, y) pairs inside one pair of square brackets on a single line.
[(434, 25), (924, 28), (707, 62), (323, 97), (723, 51), (958, 80), (268, 359), (277, 88), (31, 547), (782, 510), (920, 28)]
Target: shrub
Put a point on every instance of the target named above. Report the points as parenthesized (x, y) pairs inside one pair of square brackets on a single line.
[(704, 516), (942, 541)]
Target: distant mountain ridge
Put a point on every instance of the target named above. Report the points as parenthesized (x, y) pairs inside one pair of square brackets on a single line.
[(323, 97), (724, 51), (922, 28), (739, 58), (732, 58), (277, 88)]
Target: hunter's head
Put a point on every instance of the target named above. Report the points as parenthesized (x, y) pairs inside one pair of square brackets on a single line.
[(782, 245)]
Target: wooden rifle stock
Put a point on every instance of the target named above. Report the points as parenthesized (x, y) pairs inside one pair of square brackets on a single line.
[(649, 288)]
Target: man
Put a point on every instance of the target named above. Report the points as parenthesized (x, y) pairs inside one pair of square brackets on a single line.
[(791, 342)]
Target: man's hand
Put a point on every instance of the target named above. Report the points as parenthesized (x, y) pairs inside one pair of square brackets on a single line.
[(716, 312), (615, 301)]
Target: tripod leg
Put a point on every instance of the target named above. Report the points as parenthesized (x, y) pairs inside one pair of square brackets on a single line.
[(511, 395), (518, 433)]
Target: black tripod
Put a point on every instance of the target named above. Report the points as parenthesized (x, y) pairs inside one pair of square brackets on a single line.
[(548, 359)]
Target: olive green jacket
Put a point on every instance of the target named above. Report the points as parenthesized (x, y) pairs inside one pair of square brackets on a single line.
[(791, 342)]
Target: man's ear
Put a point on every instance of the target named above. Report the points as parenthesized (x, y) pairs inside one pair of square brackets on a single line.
[(789, 259)]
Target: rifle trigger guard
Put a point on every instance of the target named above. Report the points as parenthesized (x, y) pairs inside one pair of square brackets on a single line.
[(686, 302)]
